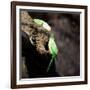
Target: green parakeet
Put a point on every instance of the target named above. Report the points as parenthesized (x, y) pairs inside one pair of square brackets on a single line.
[(51, 45)]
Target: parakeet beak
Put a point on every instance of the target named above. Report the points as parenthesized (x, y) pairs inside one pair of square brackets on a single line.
[(46, 26)]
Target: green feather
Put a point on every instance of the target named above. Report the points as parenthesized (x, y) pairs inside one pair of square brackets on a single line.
[(53, 50), (52, 46)]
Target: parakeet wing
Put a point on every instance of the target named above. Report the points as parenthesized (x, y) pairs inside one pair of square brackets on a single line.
[(53, 50), (52, 47)]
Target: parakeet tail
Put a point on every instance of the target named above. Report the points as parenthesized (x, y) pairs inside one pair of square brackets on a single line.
[(49, 65)]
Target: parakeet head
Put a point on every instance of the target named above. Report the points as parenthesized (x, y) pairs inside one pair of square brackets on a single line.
[(43, 24)]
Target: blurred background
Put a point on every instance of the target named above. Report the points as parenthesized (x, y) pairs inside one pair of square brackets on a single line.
[(66, 27)]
